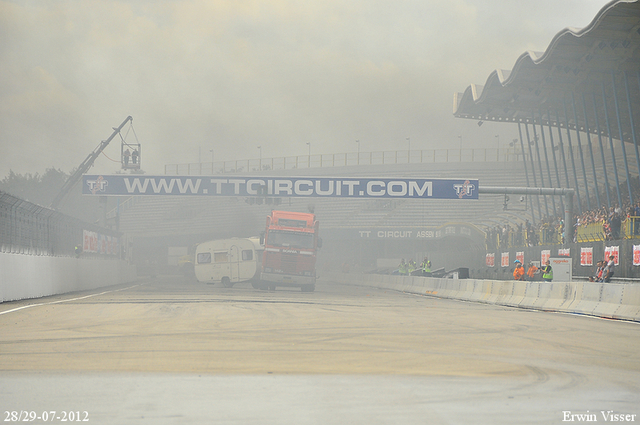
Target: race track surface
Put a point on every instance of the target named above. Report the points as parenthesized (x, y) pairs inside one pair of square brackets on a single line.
[(169, 351)]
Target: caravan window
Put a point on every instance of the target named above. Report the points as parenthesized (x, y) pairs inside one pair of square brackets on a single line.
[(221, 257), (204, 257), (247, 255)]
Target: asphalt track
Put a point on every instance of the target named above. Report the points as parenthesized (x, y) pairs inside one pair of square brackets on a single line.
[(166, 351)]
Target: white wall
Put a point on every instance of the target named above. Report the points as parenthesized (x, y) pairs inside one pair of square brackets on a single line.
[(29, 276)]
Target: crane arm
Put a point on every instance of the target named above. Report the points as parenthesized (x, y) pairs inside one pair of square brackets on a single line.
[(85, 165)]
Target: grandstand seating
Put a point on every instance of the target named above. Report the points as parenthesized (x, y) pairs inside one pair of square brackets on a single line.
[(229, 216)]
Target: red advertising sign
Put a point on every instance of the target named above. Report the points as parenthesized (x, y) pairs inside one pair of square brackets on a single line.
[(586, 256), (90, 241), (545, 254), (98, 243), (491, 260), (612, 250), (636, 255), (505, 259)]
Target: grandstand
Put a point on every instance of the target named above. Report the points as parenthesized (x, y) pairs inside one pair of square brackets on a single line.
[(220, 216), (586, 85)]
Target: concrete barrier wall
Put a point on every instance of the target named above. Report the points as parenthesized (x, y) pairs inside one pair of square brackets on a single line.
[(630, 305), (29, 276), (611, 300)]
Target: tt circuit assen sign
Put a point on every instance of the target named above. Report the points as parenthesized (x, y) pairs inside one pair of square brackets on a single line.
[(318, 187)]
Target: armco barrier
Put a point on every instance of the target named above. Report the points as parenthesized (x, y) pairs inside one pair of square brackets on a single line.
[(611, 300)]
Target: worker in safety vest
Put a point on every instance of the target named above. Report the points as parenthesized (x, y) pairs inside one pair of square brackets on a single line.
[(531, 272), (403, 268), (425, 266), (518, 273), (411, 266), (547, 272)]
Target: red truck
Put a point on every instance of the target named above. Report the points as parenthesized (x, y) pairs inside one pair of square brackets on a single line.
[(291, 243)]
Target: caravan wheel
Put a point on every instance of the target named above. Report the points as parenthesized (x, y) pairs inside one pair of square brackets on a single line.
[(226, 282)]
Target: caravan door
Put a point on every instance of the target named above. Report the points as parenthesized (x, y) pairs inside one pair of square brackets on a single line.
[(221, 266)]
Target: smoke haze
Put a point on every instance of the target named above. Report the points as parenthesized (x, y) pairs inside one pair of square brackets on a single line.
[(216, 79)]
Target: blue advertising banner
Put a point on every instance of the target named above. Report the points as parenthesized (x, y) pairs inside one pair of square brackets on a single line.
[(318, 187)]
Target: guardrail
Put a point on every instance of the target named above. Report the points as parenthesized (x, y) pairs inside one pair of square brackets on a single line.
[(346, 159), (506, 154)]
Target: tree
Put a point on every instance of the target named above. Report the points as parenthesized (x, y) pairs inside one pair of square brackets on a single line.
[(42, 189)]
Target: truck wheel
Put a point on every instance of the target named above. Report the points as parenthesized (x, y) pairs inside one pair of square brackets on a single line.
[(308, 288), (226, 282)]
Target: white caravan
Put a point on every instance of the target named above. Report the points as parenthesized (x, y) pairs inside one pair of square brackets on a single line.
[(228, 261)]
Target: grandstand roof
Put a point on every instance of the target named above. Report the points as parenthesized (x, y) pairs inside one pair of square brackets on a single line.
[(578, 64)]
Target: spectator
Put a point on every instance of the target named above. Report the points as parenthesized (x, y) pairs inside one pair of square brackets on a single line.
[(598, 274), (615, 223), (607, 273)]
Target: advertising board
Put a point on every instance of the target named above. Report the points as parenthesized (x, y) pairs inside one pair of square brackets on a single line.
[(347, 187)]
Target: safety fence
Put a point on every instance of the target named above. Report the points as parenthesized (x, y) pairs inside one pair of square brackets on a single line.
[(28, 228)]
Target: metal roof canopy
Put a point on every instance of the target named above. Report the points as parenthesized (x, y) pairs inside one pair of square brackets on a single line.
[(586, 62)]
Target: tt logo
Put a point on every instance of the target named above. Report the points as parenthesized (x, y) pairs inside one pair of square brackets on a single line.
[(465, 189), (98, 185)]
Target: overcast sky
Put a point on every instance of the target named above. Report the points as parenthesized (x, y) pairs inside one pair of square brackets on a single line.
[(230, 75)]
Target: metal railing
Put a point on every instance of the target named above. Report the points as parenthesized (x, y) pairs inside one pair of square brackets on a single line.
[(27, 228), (552, 235), (426, 156)]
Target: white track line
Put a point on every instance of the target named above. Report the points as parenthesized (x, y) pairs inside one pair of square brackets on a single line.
[(70, 299)]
